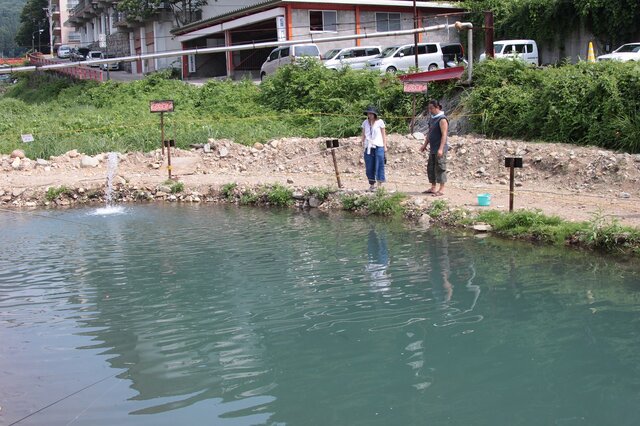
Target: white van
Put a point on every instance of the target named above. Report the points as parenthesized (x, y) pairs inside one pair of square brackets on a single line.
[(286, 55), (525, 50), (354, 57), (401, 58)]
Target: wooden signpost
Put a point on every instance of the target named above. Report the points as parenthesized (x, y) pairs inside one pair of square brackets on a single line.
[(162, 107), (512, 163), (332, 144)]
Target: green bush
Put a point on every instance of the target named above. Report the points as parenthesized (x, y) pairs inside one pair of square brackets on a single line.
[(175, 186), (228, 190), (588, 104), (321, 193), (279, 195), (54, 192), (380, 203)]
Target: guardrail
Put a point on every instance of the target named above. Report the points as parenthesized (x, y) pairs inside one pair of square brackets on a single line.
[(78, 72)]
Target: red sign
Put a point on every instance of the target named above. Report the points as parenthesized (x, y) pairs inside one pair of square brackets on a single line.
[(415, 87), (161, 106)]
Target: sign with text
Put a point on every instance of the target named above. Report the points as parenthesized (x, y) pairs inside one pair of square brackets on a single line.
[(281, 28), (27, 138), (191, 62), (161, 106), (102, 40), (410, 87)]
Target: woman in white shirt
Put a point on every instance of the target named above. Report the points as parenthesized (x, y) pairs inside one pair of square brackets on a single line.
[(374, 140)]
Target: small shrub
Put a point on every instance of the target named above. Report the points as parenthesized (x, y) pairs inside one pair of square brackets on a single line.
[(175, 186), (55, 192), (249, 197), (228, 189), (437, 208), (385, 204), (608, 235), (352, 202), (381, 203), (321, 193), (279, 195)]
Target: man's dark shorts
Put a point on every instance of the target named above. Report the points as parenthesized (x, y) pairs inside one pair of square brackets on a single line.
[(437, 169)]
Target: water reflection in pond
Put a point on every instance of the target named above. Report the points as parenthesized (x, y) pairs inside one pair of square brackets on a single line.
[(212, 315)]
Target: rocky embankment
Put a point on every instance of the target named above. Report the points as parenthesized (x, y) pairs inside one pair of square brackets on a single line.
[(476, 164)]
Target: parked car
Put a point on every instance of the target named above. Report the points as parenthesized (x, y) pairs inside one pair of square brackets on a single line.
[(79, 54), (286, 55), (64, 51), (525, 50), (94, 54), (452, 54), (112, 66), (624, 53), (353, 57), (401, 58)]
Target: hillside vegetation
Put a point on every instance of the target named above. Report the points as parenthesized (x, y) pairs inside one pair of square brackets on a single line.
[(9, 21), (595, 104)]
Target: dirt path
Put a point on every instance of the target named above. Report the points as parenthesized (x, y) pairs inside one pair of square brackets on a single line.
[(572, 182)]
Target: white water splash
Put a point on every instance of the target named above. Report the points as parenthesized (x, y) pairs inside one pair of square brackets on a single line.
[(105, 211), (112, 167)]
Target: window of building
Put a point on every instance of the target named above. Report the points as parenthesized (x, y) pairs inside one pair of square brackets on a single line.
[(323, 20), (387, 22)]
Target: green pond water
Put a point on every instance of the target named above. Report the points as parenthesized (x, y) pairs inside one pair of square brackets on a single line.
[(209, 315)]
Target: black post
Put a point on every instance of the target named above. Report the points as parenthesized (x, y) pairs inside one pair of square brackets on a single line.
[(511, 184), (488, 34)]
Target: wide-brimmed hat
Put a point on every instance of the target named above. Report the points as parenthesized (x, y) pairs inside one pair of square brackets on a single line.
[(372, 110)]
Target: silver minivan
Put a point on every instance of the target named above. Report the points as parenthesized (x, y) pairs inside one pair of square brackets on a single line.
[(287, 55), (354, 57), (401, 58)]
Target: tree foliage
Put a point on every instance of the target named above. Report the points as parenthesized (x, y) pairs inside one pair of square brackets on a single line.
[(9, 21), (613, 22), (32, 19)]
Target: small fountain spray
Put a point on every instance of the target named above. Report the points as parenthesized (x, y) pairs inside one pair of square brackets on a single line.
[(112, 168)]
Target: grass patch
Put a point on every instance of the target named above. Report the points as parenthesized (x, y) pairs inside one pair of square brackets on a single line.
[(600, 233), (55, 192), (279, 195), (249, 197), (321, 193), (380, 203), (176, 187), (228, 190)]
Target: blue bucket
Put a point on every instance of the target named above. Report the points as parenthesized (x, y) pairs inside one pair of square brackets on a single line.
[(484, 199)]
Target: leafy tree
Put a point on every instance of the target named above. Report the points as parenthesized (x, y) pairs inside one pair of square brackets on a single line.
[(9, 19), (184, 11), (32, 19), (547, 20), (613, 21)]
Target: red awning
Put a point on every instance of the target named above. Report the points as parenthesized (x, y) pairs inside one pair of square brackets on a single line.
[(436, 75)]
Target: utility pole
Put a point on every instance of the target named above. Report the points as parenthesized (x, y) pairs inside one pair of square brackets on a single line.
[(415, 36), (415, 52)]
